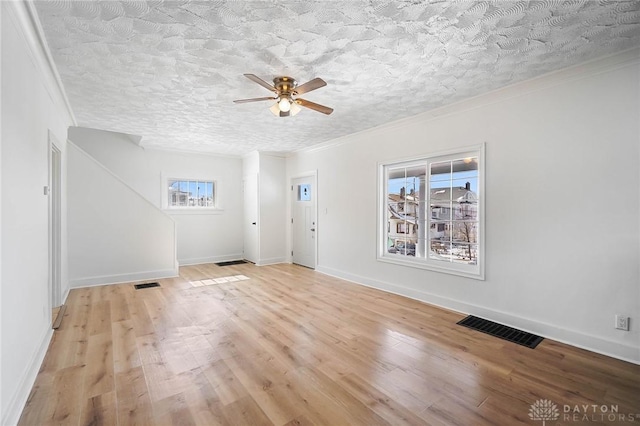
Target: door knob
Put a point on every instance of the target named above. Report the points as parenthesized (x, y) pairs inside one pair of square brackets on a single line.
[(313, 229), (253, 223)]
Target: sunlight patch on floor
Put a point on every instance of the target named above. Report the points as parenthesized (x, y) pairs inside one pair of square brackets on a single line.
[(212, 281)]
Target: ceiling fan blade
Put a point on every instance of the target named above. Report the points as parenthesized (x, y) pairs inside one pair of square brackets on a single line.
[(314, 106), (260, 81), (314, 84), (244, 101)]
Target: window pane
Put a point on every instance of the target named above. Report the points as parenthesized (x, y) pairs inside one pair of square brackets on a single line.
[(461, 179), (453, 200), (465, 211), (209, 194), (404, 247), (464, 165), (464, 253), (465, 232), (193, 193), (184, 193), (440, 251), (403, 209), (173, 192), (440, 175), (304, 192)]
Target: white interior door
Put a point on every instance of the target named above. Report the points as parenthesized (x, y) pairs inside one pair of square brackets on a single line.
[(304, 226), (251, 224)]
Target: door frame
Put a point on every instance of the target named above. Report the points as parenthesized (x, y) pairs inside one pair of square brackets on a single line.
[(314, 181), (54, 192)]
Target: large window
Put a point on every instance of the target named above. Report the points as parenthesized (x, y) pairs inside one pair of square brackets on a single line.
[(431, 212), (187, 194)]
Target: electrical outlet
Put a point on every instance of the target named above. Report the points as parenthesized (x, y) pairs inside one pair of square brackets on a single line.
[(622, 322)]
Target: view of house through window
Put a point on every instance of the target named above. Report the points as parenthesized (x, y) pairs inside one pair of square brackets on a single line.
[(190, 193), (431, 210)]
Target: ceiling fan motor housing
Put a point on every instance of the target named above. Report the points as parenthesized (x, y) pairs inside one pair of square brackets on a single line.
[(285, 86)]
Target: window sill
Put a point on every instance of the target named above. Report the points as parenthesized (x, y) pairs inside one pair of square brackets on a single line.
[(401, 260), (179, 211)]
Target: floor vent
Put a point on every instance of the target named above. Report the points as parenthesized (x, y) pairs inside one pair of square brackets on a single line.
[(233, 262), (146, 285), (502, 331)]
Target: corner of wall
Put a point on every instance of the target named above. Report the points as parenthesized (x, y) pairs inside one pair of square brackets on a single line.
[(19, 398)]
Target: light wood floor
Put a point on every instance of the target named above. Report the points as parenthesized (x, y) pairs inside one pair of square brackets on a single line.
[(290, 346)]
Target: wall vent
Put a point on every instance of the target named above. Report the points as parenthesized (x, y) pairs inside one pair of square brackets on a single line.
[(232, 262), (146, 285), (502, 331)]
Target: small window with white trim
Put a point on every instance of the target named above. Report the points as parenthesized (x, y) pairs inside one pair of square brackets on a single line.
[(431, 212), (190, 194)]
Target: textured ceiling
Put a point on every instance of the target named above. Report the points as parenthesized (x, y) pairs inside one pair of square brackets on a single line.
[(169, 70)]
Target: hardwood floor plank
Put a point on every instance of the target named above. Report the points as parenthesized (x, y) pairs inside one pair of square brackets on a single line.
[(125, 351), (173, 410), (266, 385), (99, 375), (100, 410), (142, 323), (119, 303), (100, 317), (379, 402), (290, 346), (245, 411), (134, 404), (330, 403), (63, 402), (225, 384)]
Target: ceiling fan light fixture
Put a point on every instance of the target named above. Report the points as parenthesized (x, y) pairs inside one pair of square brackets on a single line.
[(275, 110), (284, 104), (294, 109)]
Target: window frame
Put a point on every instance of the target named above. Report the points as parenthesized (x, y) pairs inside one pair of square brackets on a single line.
[(166, 178), (476, 271)]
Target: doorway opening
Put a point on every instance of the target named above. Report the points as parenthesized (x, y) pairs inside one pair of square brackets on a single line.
[(55, 230)]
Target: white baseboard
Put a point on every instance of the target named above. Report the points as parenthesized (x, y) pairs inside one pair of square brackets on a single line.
[(210, 259), (123, 278), (19, 398), (576, 338), (63, 300), (271, 261)]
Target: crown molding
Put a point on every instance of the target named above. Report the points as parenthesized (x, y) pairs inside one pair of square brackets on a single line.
[(545, 81), (24, 15)]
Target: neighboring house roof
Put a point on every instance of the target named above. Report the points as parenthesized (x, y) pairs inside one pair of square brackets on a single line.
[(400, 199), (459, 194), (401, 216)]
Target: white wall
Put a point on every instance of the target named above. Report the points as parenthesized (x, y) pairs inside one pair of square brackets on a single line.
[(272, 205), (562, 204), (273, 209), (115, 235), (32, 105), (2, 404), (202, 237)]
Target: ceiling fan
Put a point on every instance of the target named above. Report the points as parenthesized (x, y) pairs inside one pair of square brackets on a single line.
[(286, 90)]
